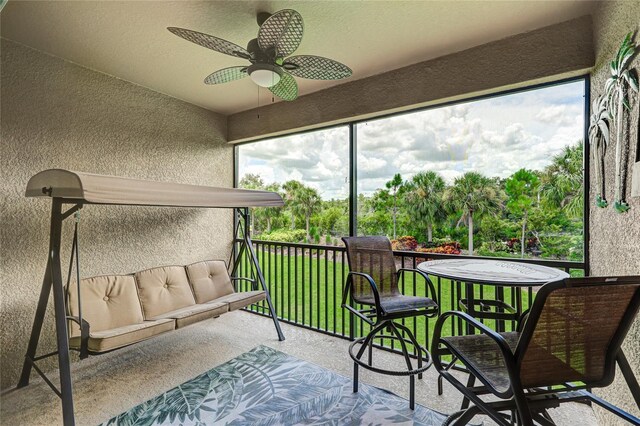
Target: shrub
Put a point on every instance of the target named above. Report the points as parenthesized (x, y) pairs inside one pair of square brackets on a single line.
[(284, 235), (405, 243)]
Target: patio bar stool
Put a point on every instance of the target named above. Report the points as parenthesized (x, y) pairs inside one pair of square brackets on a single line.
[(372, 283)]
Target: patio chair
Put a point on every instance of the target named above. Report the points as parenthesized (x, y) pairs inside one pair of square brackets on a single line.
[(566, 344), (372, 283)]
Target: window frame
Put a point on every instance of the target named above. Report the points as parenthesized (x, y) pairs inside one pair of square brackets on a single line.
[(353, 147)]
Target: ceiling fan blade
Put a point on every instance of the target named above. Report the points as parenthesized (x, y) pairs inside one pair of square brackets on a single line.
[(226, 75), (317, 68), (286, 89), (211, 42), (282, 31)]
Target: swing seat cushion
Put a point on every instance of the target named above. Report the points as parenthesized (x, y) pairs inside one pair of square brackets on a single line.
[(108, 302), (107, 340), (163, 290), (209, 280), (241, 299), (194, 313)]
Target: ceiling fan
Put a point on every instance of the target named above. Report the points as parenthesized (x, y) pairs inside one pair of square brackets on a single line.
[(271, 66)]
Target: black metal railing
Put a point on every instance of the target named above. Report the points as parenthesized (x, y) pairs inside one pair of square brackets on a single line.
[(306, 283)]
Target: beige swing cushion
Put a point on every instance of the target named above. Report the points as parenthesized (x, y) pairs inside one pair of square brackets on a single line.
[(163, 289), (211, 284), (209, 280), (165, 292), (112, 308)]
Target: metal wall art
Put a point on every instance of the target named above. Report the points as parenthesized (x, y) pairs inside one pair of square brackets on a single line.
[(622, 83), (599, 140)]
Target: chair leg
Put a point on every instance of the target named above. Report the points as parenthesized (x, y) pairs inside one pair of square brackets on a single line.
[(370, 337), (453, 361), (544, 419), (405, 353), (355, 377), (412, 379), (370, 355), (466, 416), (367, 343), (415, 344), (523, 413), (465, 401), (412, 392)]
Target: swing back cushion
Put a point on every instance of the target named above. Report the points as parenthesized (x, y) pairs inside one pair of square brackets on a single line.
[(164, 289), (209, 280), (108, 302), (112, 308), (211, 283)]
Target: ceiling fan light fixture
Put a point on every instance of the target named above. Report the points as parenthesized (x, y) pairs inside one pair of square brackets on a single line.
[(264, 75)]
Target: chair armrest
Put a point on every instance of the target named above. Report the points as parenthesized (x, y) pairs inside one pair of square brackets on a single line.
[(503, 346), (253, 282), (374, 289), (84, 335), (424, 275), (500, 341), (522, 320)]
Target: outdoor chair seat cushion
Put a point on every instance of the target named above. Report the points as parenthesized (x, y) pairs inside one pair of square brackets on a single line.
[(106, 340), (400, 303), (241, 299), (480, 352), (194, 313)]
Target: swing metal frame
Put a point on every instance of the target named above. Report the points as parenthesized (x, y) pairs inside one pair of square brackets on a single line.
[(53, 283)]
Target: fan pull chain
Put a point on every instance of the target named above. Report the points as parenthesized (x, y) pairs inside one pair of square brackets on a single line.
[(258, 102)]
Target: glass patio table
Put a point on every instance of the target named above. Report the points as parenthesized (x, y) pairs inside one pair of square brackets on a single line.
[(497, 272)]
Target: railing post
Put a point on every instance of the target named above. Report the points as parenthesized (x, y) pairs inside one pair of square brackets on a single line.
[(353, 178)]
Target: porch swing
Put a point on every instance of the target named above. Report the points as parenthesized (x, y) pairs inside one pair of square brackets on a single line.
[(199, 291)]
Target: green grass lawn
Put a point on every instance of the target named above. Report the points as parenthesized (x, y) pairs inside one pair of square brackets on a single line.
[(307, 289)]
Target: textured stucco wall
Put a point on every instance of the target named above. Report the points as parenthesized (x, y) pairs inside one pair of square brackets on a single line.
[(614, 237), (561, 50), (58, 114)]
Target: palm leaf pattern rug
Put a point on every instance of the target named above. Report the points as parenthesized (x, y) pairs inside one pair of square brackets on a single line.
[(267, 387)]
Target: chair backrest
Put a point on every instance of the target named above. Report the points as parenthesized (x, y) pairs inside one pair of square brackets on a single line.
[(372, 256), (574, 330)]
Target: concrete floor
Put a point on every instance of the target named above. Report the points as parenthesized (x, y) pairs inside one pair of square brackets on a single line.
[(107, 385)]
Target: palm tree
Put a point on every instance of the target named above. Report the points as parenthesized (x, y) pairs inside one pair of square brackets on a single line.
[(617, 87), (599, 140), (308, 201), (563, 181), (395, 187), (271, 213), (521, 188), (291, 189), (425, 199), (473, 194)]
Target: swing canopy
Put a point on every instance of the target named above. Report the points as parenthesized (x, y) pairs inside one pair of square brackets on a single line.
[(103, 189)]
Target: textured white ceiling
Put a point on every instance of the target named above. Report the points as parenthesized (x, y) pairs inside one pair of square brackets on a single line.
[(129, 39)]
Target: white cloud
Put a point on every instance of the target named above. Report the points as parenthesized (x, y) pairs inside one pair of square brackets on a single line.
[(495, 136)]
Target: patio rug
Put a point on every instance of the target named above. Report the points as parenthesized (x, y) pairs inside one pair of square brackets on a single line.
[(267, 387)]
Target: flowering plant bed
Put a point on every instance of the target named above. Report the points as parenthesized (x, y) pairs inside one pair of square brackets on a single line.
[(452, 247)]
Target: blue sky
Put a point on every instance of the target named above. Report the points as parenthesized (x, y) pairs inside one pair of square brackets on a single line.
[(494, 136)]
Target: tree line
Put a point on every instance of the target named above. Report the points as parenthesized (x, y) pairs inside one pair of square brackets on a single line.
[(532, 212)]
